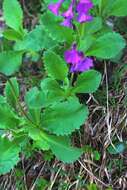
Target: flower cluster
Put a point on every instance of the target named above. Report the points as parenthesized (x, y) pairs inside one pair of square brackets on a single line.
[(77, 60), (77, 9)]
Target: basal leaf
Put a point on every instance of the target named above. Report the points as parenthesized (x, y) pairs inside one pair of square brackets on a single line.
[(60, 146), (62, 149)]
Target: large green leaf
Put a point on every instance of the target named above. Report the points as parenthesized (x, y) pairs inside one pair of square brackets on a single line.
[(10, 62), (62, 149), (64, 117), (36, 40), (60, 146), (107, 46), (87, 82), (13, 14), (11, 91), (9, 155), (55, 66), (8, 119)]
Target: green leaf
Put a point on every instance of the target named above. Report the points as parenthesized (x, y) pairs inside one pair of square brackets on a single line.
[(39, 142), (36, 40), (12, 92), (13, 14), (52, 90), (87, 82), (34, 98), (96, 2), (9, 155), (11, 34), (71, 112), (96, 155), (60, 146), (62, 149), (107, 46), (10, 62), (117, 149), (86, 43), (93, 26), (2, 100), (8, 119), (55, 66), (92, 186), (55, 30), (118, 8)]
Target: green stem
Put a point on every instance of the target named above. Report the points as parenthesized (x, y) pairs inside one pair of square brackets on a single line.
[(100, 7)]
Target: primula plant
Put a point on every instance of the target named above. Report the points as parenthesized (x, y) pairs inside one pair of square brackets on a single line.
[(68, 39)]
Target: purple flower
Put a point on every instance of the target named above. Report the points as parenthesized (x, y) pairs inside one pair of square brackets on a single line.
[(54, 8), (69, 13), (77, 9), (77, 60), (67, 22), (84, 18), (84, 6)]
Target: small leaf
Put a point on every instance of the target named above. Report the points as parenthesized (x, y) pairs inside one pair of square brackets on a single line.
[(9, 155), (87, 82), (92, 186), (71, 112), (107, 46), (10, 62), (96, 155), (13, 14), (12, 92), (55, 66)]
